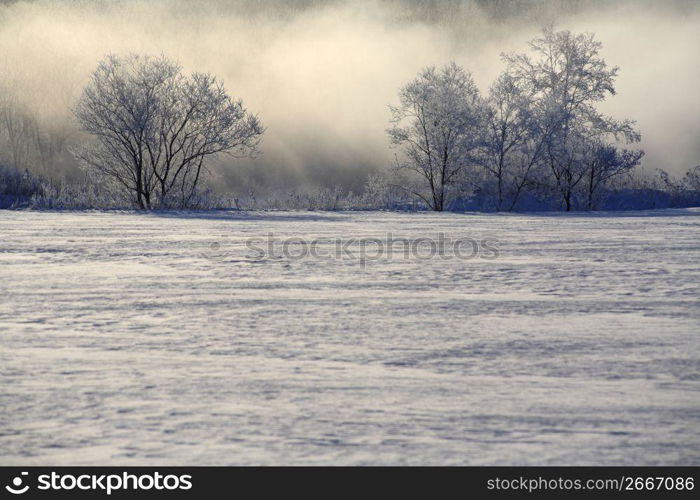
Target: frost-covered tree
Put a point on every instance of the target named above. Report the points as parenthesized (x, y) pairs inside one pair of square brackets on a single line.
[(605, 156), (569, 78), (154, 127), (16, 128), (513, 138), (437, 127), (31, 139), (691, 180)]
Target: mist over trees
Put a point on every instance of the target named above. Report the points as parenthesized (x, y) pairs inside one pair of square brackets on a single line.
[(321, 72), (143, 134)]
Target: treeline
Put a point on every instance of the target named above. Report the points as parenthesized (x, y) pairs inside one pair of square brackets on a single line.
[(639, 190), (535, 141), (536, 134)]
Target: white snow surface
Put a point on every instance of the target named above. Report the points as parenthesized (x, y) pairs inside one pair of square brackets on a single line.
[(129, 338)]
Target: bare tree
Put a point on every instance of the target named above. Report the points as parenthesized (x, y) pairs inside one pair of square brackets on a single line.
[(16, 128), (437, 126), (514, 138), (691, 179), (569, 77), (154, 127), (604, 157)]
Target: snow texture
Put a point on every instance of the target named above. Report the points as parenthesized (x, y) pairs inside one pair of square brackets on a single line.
[(133, 339)]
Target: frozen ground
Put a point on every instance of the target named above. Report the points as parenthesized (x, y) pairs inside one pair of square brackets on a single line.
[(134, 339)]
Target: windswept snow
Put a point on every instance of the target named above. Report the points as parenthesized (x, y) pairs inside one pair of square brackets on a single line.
[(159, 339)]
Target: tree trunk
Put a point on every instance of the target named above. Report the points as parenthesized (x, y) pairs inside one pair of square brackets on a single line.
[(438, 204), (139, 195), (591, 188), (500, 193)]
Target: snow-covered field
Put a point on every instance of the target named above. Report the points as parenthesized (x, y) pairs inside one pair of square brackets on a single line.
[(159, 339)]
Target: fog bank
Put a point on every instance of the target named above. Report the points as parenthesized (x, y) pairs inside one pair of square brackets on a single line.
[(321, 73)]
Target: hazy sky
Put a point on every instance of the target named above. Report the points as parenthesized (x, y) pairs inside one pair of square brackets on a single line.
[(321, 73)]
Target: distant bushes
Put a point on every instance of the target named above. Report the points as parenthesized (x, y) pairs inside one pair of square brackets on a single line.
[(639, 190), (18, 188), (22, 189)]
